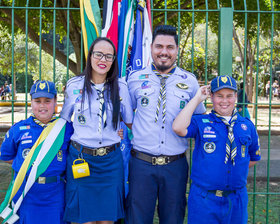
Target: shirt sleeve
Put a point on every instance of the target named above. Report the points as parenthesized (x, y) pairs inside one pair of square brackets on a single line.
[(8, 149), (193, 128), (126, 104), (68, 106), (132, 88), (200, 109), (254, 148)]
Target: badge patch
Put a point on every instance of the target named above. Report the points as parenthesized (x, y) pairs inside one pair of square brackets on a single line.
[(144, 101), (42, 86), (81, 119), (25, 153), (78, 99), (145, 85), (182, 86), (209, 136), (144, 76), (208, 130), (205, 121), (26, 141), (24, 127), (224, 79), (182, 104), (244, 127), (25, 136), (59, 156), (77, 91), (243, 150), (209, 147)]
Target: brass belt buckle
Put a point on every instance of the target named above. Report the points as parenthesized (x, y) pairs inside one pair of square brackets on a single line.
[(42, 180), (158, 160), (101, 151), (219, 193)]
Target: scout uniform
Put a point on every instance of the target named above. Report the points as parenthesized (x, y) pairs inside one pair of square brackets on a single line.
[(44, 203), (218, 192), (100, 195), (158, 158)]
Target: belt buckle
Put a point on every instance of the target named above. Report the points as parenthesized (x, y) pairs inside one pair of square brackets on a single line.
[(42, 180), (219, 193), (101, 151), (158, 160)]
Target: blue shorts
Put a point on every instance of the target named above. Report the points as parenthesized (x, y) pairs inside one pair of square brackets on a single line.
[(205, 207)]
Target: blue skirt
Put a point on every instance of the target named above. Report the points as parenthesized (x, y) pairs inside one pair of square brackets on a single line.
[(100, 196)]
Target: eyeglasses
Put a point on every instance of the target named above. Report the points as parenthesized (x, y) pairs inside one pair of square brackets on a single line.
[(99, 55)]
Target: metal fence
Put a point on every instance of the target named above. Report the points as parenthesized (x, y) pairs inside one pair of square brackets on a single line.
[(240, 38)]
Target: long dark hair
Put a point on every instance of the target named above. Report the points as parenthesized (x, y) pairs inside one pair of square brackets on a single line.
[(111, 83)]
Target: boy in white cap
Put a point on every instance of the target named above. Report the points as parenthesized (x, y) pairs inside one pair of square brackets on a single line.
[(226, 145), (37, 149)]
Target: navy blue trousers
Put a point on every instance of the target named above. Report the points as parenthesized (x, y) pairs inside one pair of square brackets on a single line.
[(149, 183)]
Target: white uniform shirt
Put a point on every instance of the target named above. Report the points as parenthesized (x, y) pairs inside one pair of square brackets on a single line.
[(158, 138), (86, 122)]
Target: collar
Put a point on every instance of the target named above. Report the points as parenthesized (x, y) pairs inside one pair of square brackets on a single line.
[(169, 73), (218, 120), (41, 123)]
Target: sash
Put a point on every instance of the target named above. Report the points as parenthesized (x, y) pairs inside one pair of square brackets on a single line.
[(41, 155)]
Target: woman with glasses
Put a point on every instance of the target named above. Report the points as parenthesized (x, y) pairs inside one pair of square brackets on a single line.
[(97, 99)]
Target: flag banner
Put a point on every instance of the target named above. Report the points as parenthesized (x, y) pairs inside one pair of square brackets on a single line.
[(90, 22), (37, 161)]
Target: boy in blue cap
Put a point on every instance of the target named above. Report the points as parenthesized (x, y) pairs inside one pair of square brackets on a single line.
[(226, 145), (37, 149)]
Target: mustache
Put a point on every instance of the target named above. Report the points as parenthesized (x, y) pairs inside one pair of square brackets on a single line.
[(164, 55)]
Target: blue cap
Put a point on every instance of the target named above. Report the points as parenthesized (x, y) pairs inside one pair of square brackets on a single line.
[(223, 82), (43, 89)]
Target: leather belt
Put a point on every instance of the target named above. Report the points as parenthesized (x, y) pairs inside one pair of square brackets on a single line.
[(218, 193), (48, 180), (156, 160), (102, 151)]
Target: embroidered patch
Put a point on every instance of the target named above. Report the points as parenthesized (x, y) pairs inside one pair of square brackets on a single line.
[(59, 156), (224, 79), (205, 121), (42, 86), (25, 136), (7, 134), (209, 136), (77, 91), (78, 99), (144, 101), (81, 119), (24, 127), (26, 141), (209, 147), (182, 86), (244, 127), (243, 150), (145, 85), (182, 104), (25, 153), (144, 76), (208, 130)]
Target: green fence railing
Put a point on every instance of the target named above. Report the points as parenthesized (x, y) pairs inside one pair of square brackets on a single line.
[(43, 40)]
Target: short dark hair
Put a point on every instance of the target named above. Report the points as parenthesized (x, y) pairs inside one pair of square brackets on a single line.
[(165, 30)]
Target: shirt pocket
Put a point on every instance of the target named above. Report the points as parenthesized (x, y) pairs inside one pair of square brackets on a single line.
[(182, 97), (144, 96), (245, 142)]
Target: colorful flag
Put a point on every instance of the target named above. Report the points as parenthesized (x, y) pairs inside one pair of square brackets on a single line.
[(90, 22)]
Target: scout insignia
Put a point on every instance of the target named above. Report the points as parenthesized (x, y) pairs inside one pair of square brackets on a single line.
[(182, 104), (244, 127), (145, 76), (25, 136), (25, 153), (59, 155), (205, 121), (145, 85), (224, 79), (42, 85), (24, 127), (182, 86), (144, 101), (209, 136), (81, 119), (209, 147), (243, 150), (76, 91), (78, 99)]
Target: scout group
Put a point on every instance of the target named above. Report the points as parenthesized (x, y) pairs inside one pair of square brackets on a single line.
[(83, 179)]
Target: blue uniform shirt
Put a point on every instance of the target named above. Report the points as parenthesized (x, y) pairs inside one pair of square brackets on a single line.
[(209, 169), (86, 122), (157, 137), (20, 139)]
